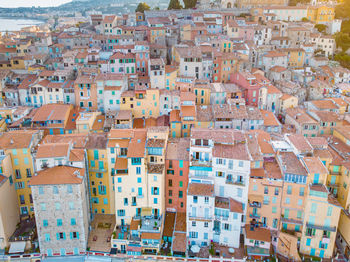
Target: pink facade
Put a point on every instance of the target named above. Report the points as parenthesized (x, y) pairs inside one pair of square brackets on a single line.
[(250, 88)]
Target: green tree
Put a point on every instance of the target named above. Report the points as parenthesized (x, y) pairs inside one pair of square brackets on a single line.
[(343, 59), (321, 28), (174, 4), (295, 2), (343, 41), (142, 7), (190, 3), (304, 19)]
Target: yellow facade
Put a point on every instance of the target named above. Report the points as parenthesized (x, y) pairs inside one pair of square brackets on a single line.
[(320, 14), (142, 104), (343, 189), (85, 121), (185, 32), (175, 129), (101, 200), (170, 78), (202, 95), (18, 63), (156, 32), (22, 163), (295, 57), (344, 230), (320, 224)]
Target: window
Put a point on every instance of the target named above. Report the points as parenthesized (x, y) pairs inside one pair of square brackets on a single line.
[(47, 237), (61, 236), (58, 206), (313, 208), (69, 189), (43, 206), (73, 222), (71, 205), (289, 190), (276, 191), (329, 211), (180, 194), (74, 235), (274, 210), (45, 223), (240, 163), (55, 190), (206, 200), (59, 222), (301, 191)]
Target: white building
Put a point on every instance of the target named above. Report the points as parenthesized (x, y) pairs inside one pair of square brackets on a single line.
[(218, 186), (62, 214)]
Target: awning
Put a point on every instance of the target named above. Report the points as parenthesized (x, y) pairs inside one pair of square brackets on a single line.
[(255, 198), (146, 211), (17, 247)]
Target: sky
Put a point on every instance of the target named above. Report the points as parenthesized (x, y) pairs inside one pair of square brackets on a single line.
[(30, 3)]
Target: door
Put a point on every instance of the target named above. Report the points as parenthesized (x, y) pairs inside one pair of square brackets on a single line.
[(222, 191), (321, 253), (312, 252), (49, 252), (63, 251), (316, 178), (333, 179)]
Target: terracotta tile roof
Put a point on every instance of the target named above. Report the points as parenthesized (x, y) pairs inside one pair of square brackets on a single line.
[(177, 149), (300, 143), (179, 242), (146, 235), (278, 69), (121, 163), (77, 155), (169, 224), (238, 151), (78, 140), (135, 223), (198, 189), (272, 170), (97, 141), (151, 142), (187, 96), (58, 175), (292, 164), (269, 118), (180, 224), (314, 165), (27, 82), (52, 150), (259, 233), (137, 144), (51, 112), (324, 104), (275, 54), (16, 139)]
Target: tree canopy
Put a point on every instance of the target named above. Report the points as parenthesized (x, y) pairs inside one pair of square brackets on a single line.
[(142, 7), (190, 3), (174, 4), (321, 28)]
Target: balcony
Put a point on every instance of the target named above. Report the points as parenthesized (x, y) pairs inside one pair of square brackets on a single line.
[(332, 184), (256, 216), (255, 204), (221, 218), (233, 182), (324, 228), (197, 162), (216, 230)]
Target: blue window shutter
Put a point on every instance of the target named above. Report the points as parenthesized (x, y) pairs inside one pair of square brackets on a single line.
[(64, 235), (152, 189), (71, 235), (58, 236), (77, 235)]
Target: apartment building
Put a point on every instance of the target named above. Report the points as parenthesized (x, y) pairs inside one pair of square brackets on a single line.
[(62, 220), (19, 145), (217, 195), (177, 166)]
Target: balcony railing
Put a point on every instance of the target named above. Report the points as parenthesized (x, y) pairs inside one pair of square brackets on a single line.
[(254, 216), (233, 182), (197, 162), (324, 228), (255, 204), (333, 184)]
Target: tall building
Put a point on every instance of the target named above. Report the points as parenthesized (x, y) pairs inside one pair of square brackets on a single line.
[(61, 202), (218, 186)]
